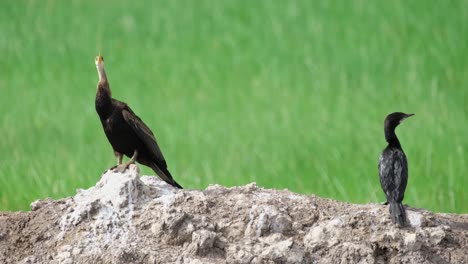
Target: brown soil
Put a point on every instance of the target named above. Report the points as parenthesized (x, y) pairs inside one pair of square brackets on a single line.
[(130, 219)]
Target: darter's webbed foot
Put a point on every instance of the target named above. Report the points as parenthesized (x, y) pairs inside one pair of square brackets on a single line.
[(120, 168)]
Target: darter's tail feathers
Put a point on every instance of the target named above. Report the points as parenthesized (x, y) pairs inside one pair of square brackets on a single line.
[(165, 175)]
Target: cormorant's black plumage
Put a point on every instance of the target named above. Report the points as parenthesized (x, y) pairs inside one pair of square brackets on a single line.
[(126, 132), (393, 169)]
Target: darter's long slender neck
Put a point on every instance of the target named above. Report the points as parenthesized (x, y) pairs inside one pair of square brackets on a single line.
[(103, 94), (101, 73)]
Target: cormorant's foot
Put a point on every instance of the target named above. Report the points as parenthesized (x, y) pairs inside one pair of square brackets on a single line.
[(120, 168)]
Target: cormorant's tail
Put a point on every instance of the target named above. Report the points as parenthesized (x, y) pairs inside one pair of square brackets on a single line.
[(398, 213), (165, 175)]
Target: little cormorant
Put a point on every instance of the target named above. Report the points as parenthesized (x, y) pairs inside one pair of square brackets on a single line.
[(393, 168), (126, 132)]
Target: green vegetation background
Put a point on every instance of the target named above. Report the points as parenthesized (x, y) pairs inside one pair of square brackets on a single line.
[(290, 94)]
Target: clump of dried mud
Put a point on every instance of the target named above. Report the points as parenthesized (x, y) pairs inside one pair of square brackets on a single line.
[(130, 219)]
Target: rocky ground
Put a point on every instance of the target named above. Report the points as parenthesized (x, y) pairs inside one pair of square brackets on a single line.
[(130, 219)]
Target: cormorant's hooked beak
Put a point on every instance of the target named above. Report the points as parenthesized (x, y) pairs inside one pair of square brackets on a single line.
[(406, 116)]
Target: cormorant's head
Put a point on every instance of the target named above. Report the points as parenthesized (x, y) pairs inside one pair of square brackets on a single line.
[(394, 119)]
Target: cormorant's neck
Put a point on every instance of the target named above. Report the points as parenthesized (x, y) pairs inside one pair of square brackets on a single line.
[(391, 137), (103, 95)]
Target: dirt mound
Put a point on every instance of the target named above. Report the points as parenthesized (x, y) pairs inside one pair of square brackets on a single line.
[(130, 219)]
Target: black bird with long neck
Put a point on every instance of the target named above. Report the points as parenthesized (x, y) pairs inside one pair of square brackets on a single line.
[(393, 169), (126, 132)]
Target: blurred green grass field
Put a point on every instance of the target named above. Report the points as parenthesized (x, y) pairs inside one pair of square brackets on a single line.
[(290, 94)]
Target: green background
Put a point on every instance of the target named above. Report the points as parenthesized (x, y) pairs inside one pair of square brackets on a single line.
[(289, 94)]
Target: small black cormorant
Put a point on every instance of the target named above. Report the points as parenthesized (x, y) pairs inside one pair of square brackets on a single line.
[(126, 132), (393, 169)]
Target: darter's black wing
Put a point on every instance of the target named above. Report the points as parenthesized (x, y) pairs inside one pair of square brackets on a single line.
[(145, 135)]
